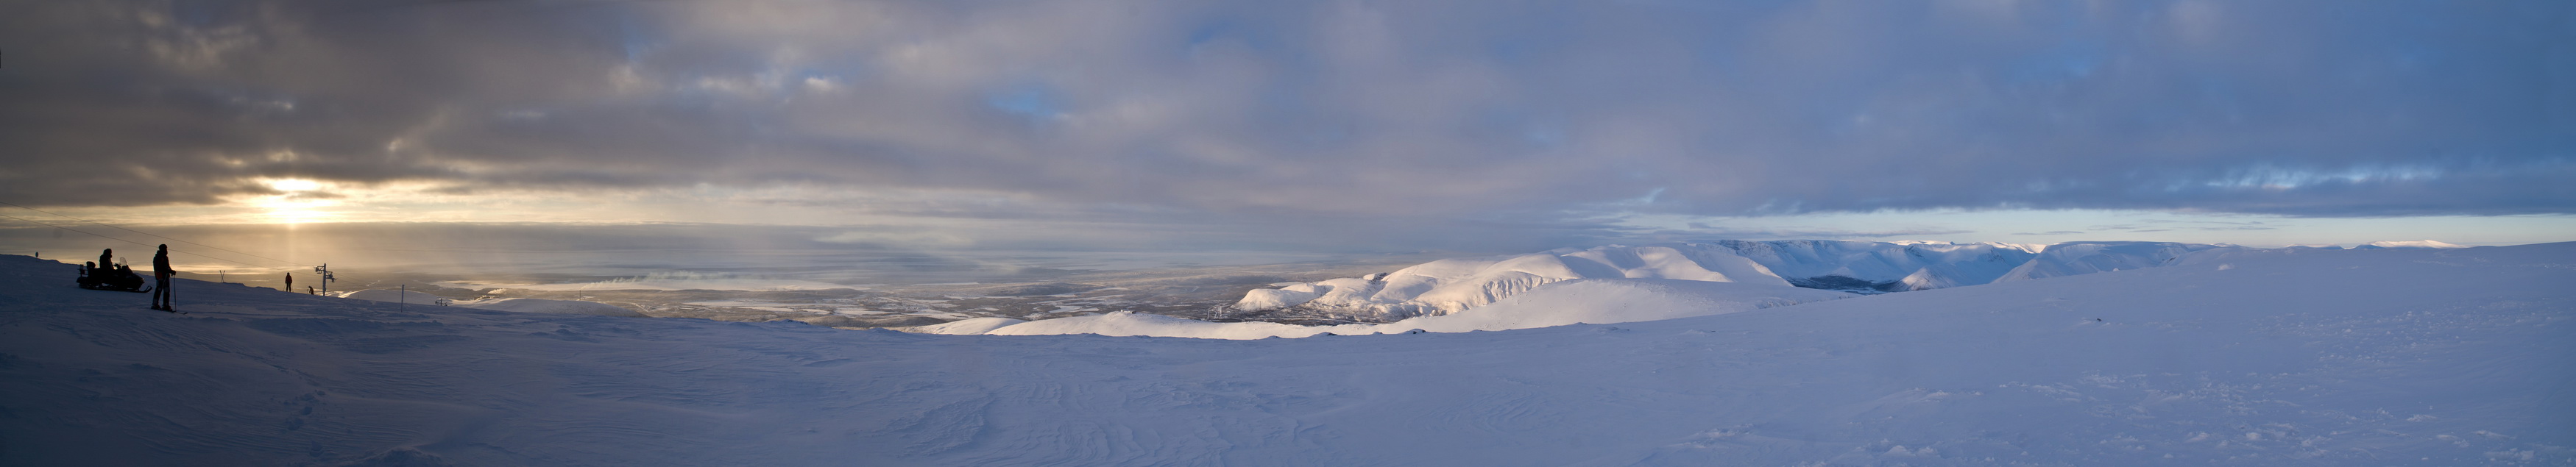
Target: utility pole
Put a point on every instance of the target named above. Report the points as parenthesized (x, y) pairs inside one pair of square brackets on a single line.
[(325, 271)]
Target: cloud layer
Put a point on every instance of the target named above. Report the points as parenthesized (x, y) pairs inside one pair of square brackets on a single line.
[(1465, 111)]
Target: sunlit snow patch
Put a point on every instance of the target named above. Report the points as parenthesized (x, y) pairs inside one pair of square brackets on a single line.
[(2395, 244)]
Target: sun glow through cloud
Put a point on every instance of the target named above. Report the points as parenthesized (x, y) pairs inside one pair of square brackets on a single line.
[(298, 201)]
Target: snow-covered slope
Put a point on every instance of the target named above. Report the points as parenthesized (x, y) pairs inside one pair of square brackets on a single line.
[(2423, 244), (2279, 357), (1609, 301), (522, 305), (2072, 258), (390, 296), (1884, 266), (1450, 285), (965, 326), (540, 305)]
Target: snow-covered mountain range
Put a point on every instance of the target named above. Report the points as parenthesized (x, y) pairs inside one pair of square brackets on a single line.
[(1884, 266), (1453, 285), (1449, 285)]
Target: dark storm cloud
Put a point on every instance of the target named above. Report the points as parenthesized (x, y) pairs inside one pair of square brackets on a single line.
[(1478, 113)]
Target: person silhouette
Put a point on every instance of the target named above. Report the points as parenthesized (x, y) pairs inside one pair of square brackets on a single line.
[(104, 257), (290, 283), (161, 280)]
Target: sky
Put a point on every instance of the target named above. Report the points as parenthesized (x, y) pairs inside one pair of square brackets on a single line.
[(1313, 126)]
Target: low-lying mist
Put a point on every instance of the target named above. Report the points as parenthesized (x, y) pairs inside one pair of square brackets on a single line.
[(729, 272)]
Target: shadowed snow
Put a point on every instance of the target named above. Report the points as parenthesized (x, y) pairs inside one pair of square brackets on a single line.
[(2285, 357)]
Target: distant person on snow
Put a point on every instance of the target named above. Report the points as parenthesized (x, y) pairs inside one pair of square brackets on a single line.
[(290, 283), (161, 280), (104, 256)]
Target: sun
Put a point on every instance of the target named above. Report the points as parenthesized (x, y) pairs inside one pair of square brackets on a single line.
[(299, 202)]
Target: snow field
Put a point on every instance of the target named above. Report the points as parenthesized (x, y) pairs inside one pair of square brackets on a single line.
[(522, 305), (2315, 357)]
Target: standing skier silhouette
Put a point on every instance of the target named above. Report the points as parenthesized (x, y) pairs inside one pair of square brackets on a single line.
[(161, 280)]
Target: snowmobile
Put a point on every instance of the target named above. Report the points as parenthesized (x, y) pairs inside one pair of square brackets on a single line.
[(112, 278)]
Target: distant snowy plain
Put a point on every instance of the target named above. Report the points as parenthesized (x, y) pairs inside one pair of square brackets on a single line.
[(2253, 357), (1251, 301)]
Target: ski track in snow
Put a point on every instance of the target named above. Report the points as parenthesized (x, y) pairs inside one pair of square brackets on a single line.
[(2371, 357)]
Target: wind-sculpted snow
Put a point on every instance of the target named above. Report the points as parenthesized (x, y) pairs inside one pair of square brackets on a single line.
[(2260, 357), (1450, 285)]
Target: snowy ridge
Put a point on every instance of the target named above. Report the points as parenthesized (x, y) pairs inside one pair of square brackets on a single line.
[(1885, 266), (2244, 357), (1451, 285), (1577, 301), (2073, 258), (2419, 244)]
